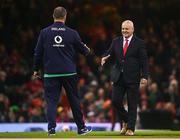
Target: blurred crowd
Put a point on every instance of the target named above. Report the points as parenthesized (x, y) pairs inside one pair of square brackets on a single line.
[(98, 22)]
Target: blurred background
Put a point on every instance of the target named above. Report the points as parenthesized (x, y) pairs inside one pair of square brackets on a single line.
[(98, 22)]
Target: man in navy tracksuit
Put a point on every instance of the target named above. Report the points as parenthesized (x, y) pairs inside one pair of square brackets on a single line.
[(56, 47)]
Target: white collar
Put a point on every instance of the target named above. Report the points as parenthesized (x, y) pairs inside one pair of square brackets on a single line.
[(129, 39)]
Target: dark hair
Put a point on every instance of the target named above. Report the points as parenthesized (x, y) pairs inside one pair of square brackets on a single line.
[(59, 13)]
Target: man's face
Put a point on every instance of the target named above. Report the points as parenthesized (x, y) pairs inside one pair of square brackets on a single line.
[(127, 29)]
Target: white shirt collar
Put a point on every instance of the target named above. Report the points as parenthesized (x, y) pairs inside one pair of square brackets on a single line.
[(129, 39)]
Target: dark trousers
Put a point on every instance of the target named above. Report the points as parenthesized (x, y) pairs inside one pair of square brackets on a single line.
[(52, 88), (119, 90)]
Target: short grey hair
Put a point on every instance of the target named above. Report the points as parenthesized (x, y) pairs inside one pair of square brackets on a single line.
[(128, 22), (59, 13)]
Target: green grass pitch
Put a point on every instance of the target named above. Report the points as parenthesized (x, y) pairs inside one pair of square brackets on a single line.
[(103, 135)]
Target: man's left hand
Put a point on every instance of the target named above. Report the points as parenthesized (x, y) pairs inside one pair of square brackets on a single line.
[(36, 75), (143, 82)]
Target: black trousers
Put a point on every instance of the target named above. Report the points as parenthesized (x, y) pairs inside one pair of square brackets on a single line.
[(52, 88), (118, 93)]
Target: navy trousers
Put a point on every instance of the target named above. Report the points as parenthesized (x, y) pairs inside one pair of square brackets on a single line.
[(52, 88), (118, 93)]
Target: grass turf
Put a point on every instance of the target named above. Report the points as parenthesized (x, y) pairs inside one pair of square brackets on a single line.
[(104, 135)]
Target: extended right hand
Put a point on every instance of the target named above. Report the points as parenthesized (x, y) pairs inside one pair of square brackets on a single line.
[(103, 60)]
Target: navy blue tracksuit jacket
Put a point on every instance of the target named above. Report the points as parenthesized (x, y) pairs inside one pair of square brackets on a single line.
[(57, 46)]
